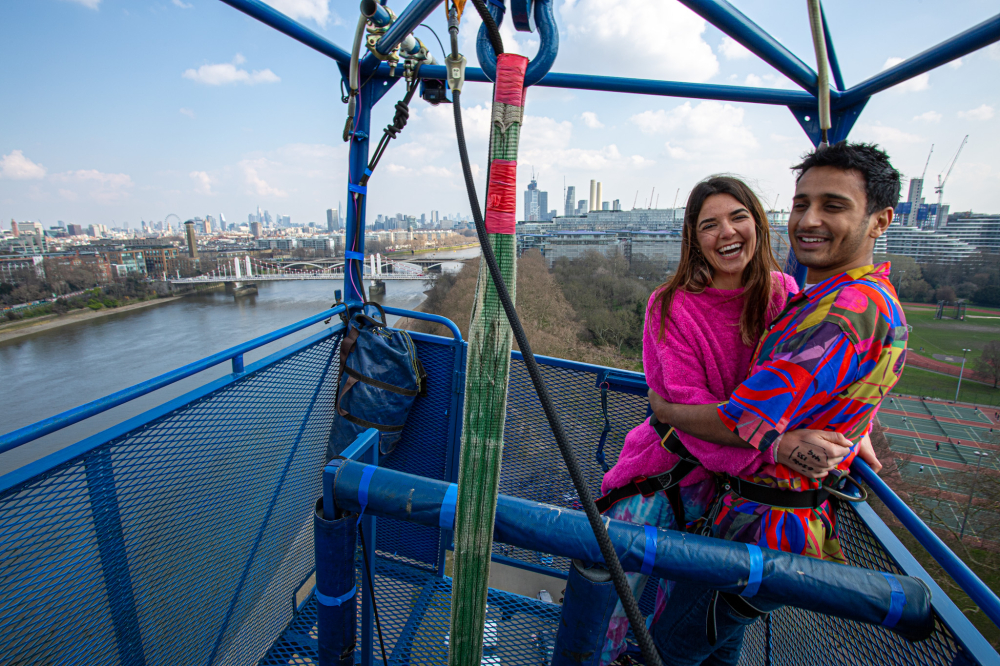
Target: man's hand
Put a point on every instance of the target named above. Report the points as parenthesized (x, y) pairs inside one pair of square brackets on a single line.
[(867, 453), (812, 453)]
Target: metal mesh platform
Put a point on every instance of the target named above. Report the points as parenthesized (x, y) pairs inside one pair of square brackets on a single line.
[(415, 611)]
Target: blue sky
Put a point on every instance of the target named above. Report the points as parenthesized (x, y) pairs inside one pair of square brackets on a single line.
[(121, 110)]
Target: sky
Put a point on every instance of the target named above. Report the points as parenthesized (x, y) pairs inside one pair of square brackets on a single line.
[(116, 111)]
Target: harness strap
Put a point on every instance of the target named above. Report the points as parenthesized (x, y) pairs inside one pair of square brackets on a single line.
[(607, 423), (777, 497), (377, 384), (668, 481)]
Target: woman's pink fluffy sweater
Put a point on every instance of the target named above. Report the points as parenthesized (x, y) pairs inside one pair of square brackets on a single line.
[(700, 359)]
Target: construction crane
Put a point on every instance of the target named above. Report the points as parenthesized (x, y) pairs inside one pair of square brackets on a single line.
[(939, 188)]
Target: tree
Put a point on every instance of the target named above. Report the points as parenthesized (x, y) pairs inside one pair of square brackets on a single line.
[(989, 362), (987, 296), (945, 294)]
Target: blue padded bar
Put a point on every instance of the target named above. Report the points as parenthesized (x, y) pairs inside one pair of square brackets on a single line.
[(366, 479), (795, 580), (337, 612), (587, 607), (360, 189), (351, 254)]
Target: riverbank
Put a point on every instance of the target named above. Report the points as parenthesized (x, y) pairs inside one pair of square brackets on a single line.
[(430, 250), (19, 329)]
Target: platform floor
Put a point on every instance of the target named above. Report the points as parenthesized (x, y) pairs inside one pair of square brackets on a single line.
[(415, 610)]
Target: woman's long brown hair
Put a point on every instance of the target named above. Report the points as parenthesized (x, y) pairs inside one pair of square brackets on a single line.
[(694, 273)]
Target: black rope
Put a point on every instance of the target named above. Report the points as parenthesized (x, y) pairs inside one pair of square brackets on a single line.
[(371, 589), (444, 53), (639, 629)]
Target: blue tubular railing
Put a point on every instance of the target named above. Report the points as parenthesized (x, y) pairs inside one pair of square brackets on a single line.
[(32, 432), (407, 22), (962, 44), (272, 17), (983, 596)]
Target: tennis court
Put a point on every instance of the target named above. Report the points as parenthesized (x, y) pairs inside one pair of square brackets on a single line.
[(953, 453), (924, 426), (954, 411)]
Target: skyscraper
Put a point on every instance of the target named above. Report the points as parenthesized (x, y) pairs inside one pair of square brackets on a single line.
[(916, 189), (569, 208), (332, 219)]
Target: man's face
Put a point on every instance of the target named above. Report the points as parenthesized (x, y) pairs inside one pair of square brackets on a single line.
[(829, 229)]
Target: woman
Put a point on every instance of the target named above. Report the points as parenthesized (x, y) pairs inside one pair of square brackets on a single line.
[(700, 333)]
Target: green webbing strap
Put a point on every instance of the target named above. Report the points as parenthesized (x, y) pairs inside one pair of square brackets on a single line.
[(486, 375)]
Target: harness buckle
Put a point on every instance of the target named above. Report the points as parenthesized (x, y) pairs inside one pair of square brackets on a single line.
[(646, 487)]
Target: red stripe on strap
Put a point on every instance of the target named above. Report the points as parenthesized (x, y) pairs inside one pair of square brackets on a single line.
[(510, 79), (501, 200)]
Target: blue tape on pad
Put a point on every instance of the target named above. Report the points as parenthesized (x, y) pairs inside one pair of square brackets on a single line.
[(447, 518), (896, 601), (336, 601), (360, 189), (351, 254), (756, 571), (366, 479), (649, 554)]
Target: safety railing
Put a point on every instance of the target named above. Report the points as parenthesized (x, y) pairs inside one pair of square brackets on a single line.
[(205, 501)]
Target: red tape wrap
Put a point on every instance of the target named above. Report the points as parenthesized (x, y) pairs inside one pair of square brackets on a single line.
[(510, 79), (501, 198)]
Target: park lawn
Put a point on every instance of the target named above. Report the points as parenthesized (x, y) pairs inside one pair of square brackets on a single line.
[(916, 381), (949, 336)]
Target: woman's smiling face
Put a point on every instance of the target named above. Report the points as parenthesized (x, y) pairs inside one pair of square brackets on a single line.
[(727, 236)]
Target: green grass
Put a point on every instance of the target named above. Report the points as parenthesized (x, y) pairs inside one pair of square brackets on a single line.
[(916, 381), (948, 336)]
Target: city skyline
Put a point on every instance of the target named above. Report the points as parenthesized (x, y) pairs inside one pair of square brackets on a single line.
[(121, 152)]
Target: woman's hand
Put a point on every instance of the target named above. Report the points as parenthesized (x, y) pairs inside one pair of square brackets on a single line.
[(812, 453)]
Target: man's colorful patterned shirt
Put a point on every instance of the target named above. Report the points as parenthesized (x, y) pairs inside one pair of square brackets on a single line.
[(826, 363)]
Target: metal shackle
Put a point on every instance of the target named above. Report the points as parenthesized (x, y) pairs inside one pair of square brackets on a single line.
[(548, 47)]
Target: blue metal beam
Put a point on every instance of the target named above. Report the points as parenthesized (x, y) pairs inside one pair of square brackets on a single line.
[(272, 17), (962, 44), (32, 432), (405, 23), (735, 23), (643, 87), (831, 53)]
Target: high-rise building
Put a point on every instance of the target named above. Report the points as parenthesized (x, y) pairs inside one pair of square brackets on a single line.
[(192, 242), (332, 219), (617, 205), (536, 203), (267, 219), (582, 207), (605, 205), (74, 229), (916, 189), (256, 228), (570, 200)]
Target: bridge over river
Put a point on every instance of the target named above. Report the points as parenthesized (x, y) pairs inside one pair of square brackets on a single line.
[(376, 268)]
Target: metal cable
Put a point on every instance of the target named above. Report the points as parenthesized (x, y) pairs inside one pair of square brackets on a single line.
[(639, 629)]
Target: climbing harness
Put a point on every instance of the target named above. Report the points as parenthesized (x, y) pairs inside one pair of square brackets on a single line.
[(668, 482), (599, 454), (488, 362)]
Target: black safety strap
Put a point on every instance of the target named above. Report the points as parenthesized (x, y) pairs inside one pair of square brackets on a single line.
[(382, 385), (668, 481), (777, 497), (715, 606)]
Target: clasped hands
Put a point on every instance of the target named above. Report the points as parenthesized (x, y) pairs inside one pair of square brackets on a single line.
[(811, 453)]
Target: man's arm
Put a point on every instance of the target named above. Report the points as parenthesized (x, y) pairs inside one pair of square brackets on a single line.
[(812, 453)]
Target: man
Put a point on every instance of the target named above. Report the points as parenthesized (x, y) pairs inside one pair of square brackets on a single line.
[(825, 364)]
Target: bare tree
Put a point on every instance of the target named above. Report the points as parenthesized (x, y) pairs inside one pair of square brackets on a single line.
[(989, 362)]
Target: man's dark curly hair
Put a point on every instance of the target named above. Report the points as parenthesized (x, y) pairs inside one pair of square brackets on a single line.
[(882, 184)]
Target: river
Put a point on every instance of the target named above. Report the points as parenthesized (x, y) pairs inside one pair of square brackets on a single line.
[(51, 371)]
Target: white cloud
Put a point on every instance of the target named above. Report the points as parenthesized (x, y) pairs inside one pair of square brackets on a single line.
[(955, 64), (981, 112), (883, 134), (257, 184), (929, 117), (16, 166), (226, 73), (590, 120), (733, 50), (596, 31), (700, 132), (916, 84), (768, 81), (182, 4), (187, 112), (89, 4), (101, 187), (993, 51), (203, 182), (317, 10)]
